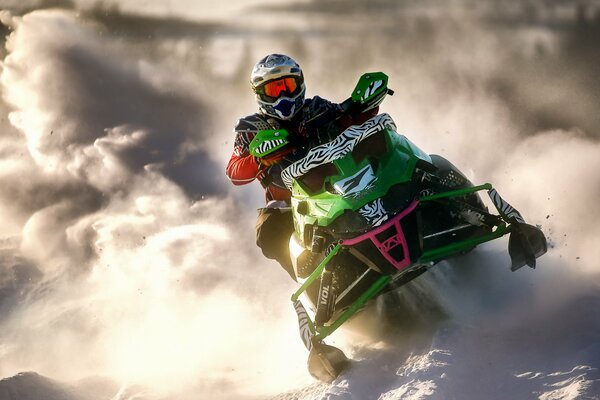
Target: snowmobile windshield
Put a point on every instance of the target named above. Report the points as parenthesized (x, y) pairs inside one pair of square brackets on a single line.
[(337, 150), (316, 180), (373, 147)]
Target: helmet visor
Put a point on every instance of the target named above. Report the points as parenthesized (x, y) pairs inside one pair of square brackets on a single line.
[(274, 88)]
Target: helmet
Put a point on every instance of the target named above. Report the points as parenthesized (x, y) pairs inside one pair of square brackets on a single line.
[(278, 83)]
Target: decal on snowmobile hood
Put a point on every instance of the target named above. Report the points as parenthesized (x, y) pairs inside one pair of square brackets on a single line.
[(338, 148), (356, 183)]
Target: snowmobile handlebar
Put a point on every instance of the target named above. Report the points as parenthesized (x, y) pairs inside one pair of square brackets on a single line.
[(368, 94)]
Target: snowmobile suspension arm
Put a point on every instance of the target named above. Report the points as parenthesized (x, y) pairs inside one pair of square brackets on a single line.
[(445, 251), (437, 254), (458, 192), (324, 331), (317, 272)]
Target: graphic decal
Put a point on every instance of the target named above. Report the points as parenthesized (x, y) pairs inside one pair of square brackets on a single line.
[(357, 183), (374, 212), (372, 88), (268, 145), (305, 332), (504, 208), (337, 148)]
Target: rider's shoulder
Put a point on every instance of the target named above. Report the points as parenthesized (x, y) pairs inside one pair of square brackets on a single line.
[(317, 102), (252, 123), (317, 105)]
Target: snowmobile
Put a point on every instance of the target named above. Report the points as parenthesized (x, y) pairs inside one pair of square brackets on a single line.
[(371, 212)]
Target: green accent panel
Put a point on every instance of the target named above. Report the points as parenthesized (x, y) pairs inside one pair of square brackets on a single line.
[(267, 141), (370, 86), (371, 292)]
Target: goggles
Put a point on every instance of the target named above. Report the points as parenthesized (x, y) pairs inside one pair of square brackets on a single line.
[(274, 88)]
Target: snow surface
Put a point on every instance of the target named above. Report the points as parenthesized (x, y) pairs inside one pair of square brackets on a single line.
[(32, 386), (504, 347)]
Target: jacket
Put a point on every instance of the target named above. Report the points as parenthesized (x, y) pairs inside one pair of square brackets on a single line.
[(319, 121)]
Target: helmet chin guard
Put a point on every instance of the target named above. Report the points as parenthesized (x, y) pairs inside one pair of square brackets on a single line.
[(284, 108)]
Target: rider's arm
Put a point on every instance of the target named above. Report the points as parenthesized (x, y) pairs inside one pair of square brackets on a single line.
[(357, 118), (242, 168)]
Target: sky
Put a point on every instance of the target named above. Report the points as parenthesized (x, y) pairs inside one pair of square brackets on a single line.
[(125, 253)]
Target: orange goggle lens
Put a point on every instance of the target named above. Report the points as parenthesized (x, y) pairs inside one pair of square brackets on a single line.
[(276, 87)]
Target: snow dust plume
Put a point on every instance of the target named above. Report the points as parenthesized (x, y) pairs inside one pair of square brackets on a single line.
[(122, 257)]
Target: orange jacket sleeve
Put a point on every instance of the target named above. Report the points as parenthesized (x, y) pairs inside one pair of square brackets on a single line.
[(242, 169)]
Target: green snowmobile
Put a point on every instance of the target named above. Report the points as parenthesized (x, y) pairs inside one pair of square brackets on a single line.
[(371, 212)]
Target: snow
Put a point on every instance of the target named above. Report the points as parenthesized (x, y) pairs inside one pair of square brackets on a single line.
[(127, 263), (503, 348)]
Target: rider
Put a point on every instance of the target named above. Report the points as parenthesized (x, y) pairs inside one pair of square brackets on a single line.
[(278, 84)]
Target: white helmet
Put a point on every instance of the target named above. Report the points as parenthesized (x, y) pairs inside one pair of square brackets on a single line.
[(278, 83)]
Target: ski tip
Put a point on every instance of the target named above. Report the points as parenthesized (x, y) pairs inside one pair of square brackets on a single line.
[(326, 363)]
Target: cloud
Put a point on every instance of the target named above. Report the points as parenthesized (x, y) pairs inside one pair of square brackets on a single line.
[(91, 127), (77, 103)]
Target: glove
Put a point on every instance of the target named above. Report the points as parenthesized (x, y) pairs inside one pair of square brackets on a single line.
[(272, 159)]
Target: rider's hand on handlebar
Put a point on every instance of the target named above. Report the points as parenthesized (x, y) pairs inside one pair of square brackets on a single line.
[(274, 158)]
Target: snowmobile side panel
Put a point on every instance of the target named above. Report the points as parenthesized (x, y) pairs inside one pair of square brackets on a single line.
[(456, 193)]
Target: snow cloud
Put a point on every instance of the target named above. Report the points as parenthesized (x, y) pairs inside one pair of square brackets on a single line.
[(123, 257)]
